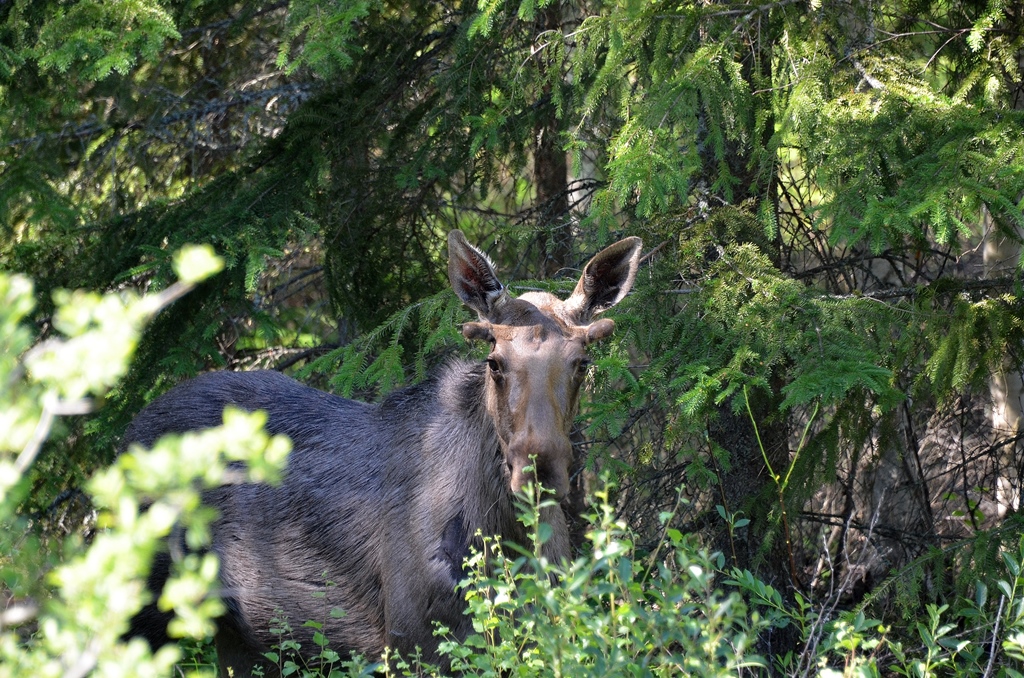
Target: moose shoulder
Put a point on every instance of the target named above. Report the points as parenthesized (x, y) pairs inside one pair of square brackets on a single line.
[(380, 503)]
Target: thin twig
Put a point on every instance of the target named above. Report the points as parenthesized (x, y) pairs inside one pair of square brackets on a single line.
[(995, 639), (52, 408)]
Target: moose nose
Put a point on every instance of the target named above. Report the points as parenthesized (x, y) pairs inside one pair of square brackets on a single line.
[(548, 464)]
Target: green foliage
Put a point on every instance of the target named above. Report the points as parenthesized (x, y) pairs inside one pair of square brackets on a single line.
[(748, 325), (328, 33), (678, 611), (375, 363), (323, 661), (101, 37), (606, 612), (685, 107), (979, 333), (904, 162)]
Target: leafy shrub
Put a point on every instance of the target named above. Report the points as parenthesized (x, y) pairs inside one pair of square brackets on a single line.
[(68, 621)]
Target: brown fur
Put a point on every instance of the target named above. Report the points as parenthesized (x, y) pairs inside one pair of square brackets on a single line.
[(380, 503)]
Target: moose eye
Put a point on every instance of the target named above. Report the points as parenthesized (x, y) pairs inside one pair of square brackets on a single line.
[(494, 366), (582, 365)]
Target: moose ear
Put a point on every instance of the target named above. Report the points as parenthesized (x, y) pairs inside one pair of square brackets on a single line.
[(472, 276), (606, 279), (478, 332)]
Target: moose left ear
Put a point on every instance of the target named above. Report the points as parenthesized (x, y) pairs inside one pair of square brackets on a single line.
[(606, 279), (599, 329)]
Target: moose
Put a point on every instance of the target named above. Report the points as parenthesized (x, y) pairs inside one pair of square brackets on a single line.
[(384, 501)]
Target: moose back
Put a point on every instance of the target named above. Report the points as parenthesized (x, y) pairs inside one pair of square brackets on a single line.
[(380, 503)]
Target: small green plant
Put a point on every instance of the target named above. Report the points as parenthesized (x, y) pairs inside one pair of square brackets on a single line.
[(287, 657), (781, 482)]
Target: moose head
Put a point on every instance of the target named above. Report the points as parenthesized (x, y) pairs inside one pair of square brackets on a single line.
[(538, 355)]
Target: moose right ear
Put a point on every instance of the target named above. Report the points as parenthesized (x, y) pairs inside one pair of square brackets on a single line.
[(472, 276)]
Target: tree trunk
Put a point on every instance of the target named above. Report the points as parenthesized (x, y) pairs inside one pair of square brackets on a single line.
[(1005, 386), (550, 169)]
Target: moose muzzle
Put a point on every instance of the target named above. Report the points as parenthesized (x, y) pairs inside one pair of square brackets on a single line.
[(545, 461)]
